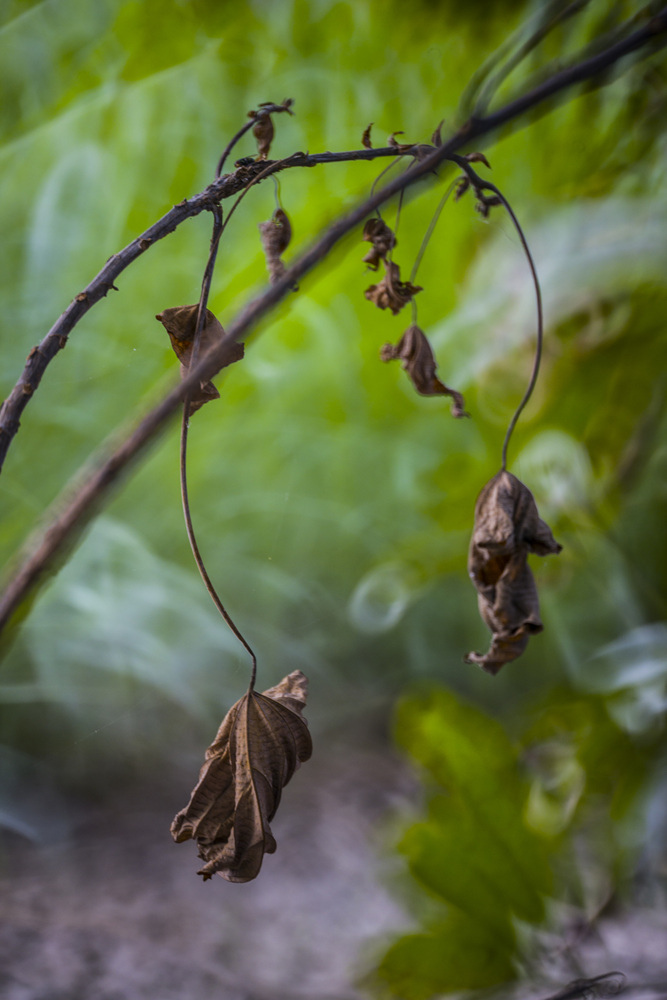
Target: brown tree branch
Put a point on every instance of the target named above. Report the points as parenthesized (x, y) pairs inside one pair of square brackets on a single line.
[(227, 186), (70, 517)]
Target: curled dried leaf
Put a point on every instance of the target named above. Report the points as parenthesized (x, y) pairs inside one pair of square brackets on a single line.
[(436, 138), (400, 147), (262, 741), (263, 129), (275, 235), (391, 292), (486, 202), (507, 528), (477, 158), (377, 232), (263, 132), (418, 360), (366, 137), (462, 186), (180, 322)]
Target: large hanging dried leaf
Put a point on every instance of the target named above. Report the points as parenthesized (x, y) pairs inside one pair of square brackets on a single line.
[(261, 742), (275, 234), (391, 292), (377, 232), (180, 322), (416, 354), (507, 528)]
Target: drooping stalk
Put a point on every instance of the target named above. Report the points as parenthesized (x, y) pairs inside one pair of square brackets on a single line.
[(201, 313), (480, 185)]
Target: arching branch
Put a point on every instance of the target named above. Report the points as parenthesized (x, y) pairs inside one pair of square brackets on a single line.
[(72, 514)]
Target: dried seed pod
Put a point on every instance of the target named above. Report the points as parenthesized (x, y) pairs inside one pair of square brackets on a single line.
[(391, 292), (418, 360), (180, 322), (275, 234), (507, 528), (366, 137)]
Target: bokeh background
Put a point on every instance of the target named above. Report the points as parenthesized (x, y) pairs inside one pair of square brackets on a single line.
[(453, 830)]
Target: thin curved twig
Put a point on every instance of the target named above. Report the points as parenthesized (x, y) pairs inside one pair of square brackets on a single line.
[(185, 422), (80, 501), (228, 185), (480, 185), (230, 145)]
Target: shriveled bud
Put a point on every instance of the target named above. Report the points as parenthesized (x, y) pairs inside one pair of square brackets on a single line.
[(275, 234)]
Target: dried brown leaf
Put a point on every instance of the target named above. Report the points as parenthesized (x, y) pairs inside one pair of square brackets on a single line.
[(436, 138), (262, 741), (263, 129), (263, 132), (507, 528), (400, 147), (366, 137), (391, 292), (180, 322), (477, 158), (418, 360), (275, 235), (377, 232), (462, 186)]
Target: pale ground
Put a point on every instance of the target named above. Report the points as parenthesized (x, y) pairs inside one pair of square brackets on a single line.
[(116, 911)]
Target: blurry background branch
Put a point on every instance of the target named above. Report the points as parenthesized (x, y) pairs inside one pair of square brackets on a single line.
[(84, 496), (594, 68)]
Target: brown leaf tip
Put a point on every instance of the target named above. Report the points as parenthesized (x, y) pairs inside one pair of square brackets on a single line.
[(507, 527), (261, 742)]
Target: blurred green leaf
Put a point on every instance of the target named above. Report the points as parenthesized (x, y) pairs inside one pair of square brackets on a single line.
[(460, 954)]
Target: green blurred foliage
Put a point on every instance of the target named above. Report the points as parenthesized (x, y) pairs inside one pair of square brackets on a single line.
[(333, 504)]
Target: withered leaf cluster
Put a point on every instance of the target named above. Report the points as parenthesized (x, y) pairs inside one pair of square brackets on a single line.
[(275, 234), (180, 322), (507, 528), (263, 129), (418, 360), (261, 742), (391, 292)]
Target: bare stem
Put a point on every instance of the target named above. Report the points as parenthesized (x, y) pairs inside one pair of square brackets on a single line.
[(92, 486), (480, 185), (648, 37), (195, 548), (185, 422), (429, 232)]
